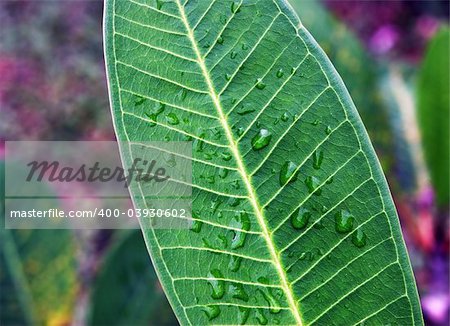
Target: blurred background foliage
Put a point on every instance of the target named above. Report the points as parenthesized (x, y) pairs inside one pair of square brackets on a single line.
[(392, 55)]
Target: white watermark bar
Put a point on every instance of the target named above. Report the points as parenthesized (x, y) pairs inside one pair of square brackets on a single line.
[(83, 185)]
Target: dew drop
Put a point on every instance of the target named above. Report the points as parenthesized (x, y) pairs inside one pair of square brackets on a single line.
[(344, 221), (220, 40), (172, 118), (263, 280), (293, 70), (233, 201), (273, 303), (196, 226), (285, 117), (223, 241), (260, 317), (227, 76), (139, 100), (243, 315), (261, 139), (183, 94), (288, 172), (199, 144), (159, 4), (244, 46), (215, 205), (260, 84), (235, 263), (243, 110), (233, 54), (317, 159), (223, 173), (237, 291), (359, 238), (280, 73), (328, 130), (235, 7), (313, 183), (153, 118), (236, 184), (211, 311), (215, 280), (300, 218), (208, 244), (226, 156), (240, 131), (315, 122), (240, 221)]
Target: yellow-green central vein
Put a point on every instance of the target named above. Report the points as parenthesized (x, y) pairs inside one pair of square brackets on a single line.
[(241, 168)]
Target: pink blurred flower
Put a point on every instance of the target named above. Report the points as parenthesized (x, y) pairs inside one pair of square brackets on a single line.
[(384, 39), (436, 307)]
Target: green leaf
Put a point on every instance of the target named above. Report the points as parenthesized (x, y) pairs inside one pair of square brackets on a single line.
[(37, 272), (127, 291), (294, 223), (433, 112), (358, 70)]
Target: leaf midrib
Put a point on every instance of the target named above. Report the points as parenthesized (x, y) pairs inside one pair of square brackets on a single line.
[(246, 178)]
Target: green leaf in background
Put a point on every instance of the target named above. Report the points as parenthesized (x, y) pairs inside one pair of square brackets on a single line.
[(127, 291), (356, 67), (433, 112), (37, 273), (293, 220)]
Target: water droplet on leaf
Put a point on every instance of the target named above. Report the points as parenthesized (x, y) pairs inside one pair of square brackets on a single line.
[(243, 315), (139, 100), (300, 218), (240, 221), (260, 317), (260, 84), (235, 263), (243, 110), (172, 119), (233, 201), (288, 172), (313, 183), (237, 291), (317, 159), (359, 238), (344, 221), (217, 284), (261, 139), (211, 311), (226, 156), (280, 73), (196, 226), (223, 173)]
